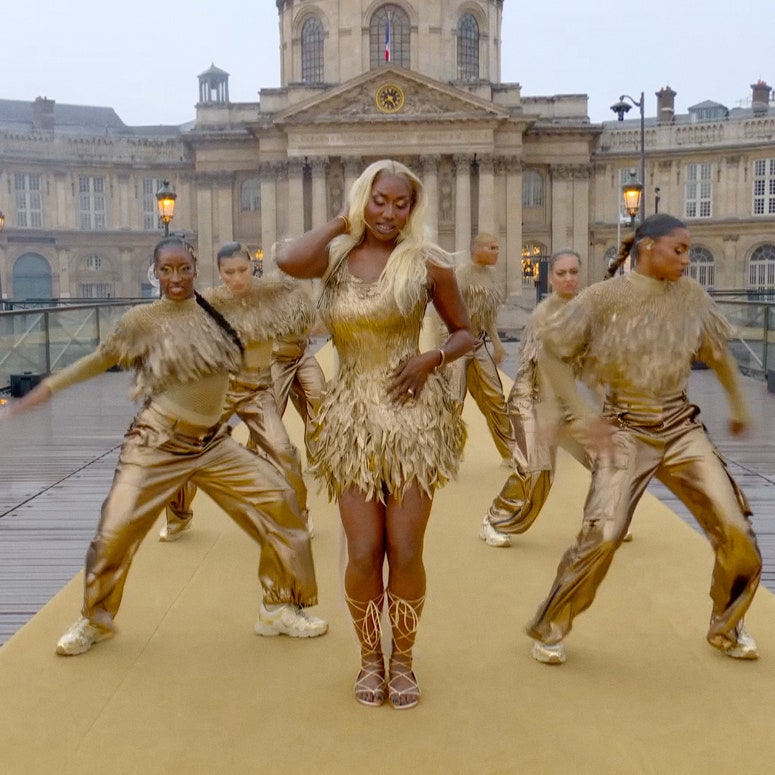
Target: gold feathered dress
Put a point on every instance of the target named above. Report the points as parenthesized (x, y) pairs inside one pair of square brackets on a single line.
[(181, 358), (366, 441), (476, 372), (638, 337)]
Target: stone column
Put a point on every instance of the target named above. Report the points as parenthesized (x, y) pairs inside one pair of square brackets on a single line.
[(352, 168), (205, 231), (295, 226), (561, 176), (430, 179), (462, 202), (267, 171), (487, 194), (319, 207), (731, 270), (512, 249)]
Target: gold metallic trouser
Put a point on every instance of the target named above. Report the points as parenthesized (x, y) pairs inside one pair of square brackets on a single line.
[(669, 443), (158, 455), (524, 493), (303, 381), (256, 407), (477, 373)]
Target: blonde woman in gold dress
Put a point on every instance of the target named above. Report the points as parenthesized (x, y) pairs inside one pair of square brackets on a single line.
[(638, 334), (182, 350), (390, 432)]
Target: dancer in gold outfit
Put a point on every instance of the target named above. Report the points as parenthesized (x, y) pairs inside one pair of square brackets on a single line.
[(295, 371), (524, 493), (182, 351), (390, 431), (638, 334), (260, 311), (477, 371)]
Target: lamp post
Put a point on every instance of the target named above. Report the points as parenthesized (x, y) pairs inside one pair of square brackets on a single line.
[(165, 202), (657, 197), (620, 108)]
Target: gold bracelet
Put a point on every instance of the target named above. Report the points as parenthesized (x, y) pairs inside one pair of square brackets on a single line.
[(346, 222), (441, 362)]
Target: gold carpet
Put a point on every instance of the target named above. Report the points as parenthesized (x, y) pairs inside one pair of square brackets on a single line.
[(186, 687)]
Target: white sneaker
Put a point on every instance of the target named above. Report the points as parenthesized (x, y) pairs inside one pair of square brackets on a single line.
[(291, 620), (745, 648), (173, 532), (80, 637), (549, 654), (491, 536)]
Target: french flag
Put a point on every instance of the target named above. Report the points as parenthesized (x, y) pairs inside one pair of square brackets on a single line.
[(387, 39)]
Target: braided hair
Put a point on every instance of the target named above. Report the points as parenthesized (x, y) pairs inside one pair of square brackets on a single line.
[(224, 324), (653, 227)]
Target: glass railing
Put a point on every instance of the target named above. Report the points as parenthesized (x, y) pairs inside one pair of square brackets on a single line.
[(41, 340), (752, 316)]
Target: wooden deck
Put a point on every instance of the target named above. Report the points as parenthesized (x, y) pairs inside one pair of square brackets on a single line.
[(56, 465)]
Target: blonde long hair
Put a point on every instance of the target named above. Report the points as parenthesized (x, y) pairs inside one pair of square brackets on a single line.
[(406, 272)]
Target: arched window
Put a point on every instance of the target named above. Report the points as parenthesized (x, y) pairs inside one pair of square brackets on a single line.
[(389, 33), (467, 48), (31, 277), (250, 196), (702, 269), (312, 51), (93, 263), (761, 269), (532, 189)]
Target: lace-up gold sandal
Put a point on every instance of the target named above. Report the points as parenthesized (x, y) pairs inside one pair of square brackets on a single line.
[(369, 688), (404, 619)]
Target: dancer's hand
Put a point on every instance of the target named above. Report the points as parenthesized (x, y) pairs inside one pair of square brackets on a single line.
[(38, 395), (409, 378), (598, 436)]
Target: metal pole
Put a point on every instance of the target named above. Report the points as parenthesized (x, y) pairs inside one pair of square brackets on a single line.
[(166, 228)]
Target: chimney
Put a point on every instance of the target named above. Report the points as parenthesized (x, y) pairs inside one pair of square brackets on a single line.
[(43, 114), (760, 98), (666, 105)]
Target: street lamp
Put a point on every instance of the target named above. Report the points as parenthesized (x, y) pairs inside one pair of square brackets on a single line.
[(632, 193), (620, 108), (165, 202)]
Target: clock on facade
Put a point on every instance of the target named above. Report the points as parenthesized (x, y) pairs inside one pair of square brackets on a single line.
[(389, 98)]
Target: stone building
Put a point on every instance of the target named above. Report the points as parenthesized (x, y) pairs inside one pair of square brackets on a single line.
[(362, 80)]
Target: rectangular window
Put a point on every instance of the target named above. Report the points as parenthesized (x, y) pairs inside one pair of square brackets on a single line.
[(29, 203), (95, 290), (764, 187), (91, 202), (150, 209), (699, 190)]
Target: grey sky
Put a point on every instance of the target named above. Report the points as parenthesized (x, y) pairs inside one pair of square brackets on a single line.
[(142, 58)]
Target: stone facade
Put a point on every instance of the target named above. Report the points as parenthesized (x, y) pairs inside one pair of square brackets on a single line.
[(77, 185)]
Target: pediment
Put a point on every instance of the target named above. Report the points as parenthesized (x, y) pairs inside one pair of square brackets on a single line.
[(423, 99)]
